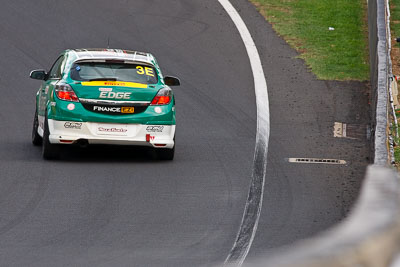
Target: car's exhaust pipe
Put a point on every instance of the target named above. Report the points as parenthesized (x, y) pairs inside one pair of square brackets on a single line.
[(82, 143)]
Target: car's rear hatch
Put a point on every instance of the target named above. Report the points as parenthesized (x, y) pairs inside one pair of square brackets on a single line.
[(114, 97)]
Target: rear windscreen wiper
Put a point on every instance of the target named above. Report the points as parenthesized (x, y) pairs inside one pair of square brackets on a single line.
[(103, 79)]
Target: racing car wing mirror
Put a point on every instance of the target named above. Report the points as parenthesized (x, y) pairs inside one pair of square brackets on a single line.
[(38, 74), (172, 81)]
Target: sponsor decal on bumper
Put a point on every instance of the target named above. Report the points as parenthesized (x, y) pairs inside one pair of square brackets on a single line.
[(155, 129), (112, 130), (73, 125)]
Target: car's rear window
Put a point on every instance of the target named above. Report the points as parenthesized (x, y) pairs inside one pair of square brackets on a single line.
[(86, 71)]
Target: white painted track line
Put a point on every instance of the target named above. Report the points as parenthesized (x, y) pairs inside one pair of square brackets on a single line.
[(242, 244)]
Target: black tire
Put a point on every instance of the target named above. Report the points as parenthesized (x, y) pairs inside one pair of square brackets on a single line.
[(36, 138), (49, 151), (165, 153)]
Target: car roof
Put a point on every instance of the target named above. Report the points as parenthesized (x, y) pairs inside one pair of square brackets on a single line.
[(119, 54)]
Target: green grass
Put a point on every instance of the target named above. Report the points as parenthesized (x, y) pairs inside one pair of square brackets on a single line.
[(395, 17), (397, 156), (341, 54)]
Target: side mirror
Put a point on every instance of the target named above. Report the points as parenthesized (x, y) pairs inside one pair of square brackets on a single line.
[(38, 74), (172, 81)]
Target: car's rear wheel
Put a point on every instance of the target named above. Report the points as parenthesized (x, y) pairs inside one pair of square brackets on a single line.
[(36, 138), (49, 151)]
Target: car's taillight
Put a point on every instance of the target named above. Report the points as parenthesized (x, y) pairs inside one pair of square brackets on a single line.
[(65, 92), (163, 97)]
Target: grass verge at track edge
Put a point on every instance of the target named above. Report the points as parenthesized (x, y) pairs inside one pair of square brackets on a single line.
[(331, 36)]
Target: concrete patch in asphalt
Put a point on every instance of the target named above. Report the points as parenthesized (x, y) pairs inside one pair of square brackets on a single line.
[(351, 131)]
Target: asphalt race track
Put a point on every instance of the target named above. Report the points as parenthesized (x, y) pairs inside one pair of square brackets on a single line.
[(117, 206)]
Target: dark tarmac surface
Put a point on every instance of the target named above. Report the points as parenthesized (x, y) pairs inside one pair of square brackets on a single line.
[(116, 206)]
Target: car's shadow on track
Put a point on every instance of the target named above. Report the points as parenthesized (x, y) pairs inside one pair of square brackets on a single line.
[(107, 153)]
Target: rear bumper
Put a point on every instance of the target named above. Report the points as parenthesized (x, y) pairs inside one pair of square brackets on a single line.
[(70, 132)]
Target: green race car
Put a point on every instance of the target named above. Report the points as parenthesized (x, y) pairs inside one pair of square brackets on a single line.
[(104, 96)]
